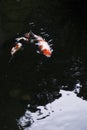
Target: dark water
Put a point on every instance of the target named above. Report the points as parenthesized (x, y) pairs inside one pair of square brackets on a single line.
[(31, 78)]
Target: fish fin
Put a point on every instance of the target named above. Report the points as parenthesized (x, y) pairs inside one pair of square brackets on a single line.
[(21, 38), (51, 50), (37, 43), (32, 41), (38, 52), (50, 45), (50, 40), (10, 59), (32, 34)]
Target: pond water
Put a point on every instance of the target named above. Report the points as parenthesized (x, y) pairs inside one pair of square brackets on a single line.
[(38, 92)]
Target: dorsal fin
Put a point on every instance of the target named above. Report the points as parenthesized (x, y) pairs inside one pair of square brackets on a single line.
[(31, 33)]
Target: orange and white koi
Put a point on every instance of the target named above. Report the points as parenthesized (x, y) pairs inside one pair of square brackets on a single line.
[(43, 45), (16, 48), (19, 45)]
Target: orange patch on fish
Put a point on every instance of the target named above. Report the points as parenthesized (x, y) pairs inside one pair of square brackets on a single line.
[(46, 52), (17, 47)]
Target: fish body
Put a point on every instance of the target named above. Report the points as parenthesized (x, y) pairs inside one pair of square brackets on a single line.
[(19, 43), (16, 48), (43, 46)]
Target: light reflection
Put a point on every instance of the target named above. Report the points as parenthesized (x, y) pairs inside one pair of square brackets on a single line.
[(65, 113)]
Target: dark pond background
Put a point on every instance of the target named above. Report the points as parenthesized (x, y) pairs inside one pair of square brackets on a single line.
[(32, 78)]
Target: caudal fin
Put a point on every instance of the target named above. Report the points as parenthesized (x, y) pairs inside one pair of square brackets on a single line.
[(31, 33)]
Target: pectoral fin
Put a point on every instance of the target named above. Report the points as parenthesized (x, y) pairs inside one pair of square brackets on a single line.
[(38, 52)]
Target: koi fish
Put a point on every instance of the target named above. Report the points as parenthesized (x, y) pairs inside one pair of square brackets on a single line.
[(43, 46), (17, 47)]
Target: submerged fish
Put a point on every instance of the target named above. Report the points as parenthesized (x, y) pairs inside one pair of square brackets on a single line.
[(19, 43), (43, 46)]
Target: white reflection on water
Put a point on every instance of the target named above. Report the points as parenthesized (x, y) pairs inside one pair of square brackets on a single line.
[(66, 113)]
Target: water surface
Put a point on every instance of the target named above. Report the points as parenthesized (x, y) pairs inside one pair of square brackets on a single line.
[(31, 79)]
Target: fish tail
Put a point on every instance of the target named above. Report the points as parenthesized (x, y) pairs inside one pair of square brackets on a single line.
[(33, 35), (10, 59)]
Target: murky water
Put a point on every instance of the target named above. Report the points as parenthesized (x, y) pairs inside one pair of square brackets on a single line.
[(37, 92)]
